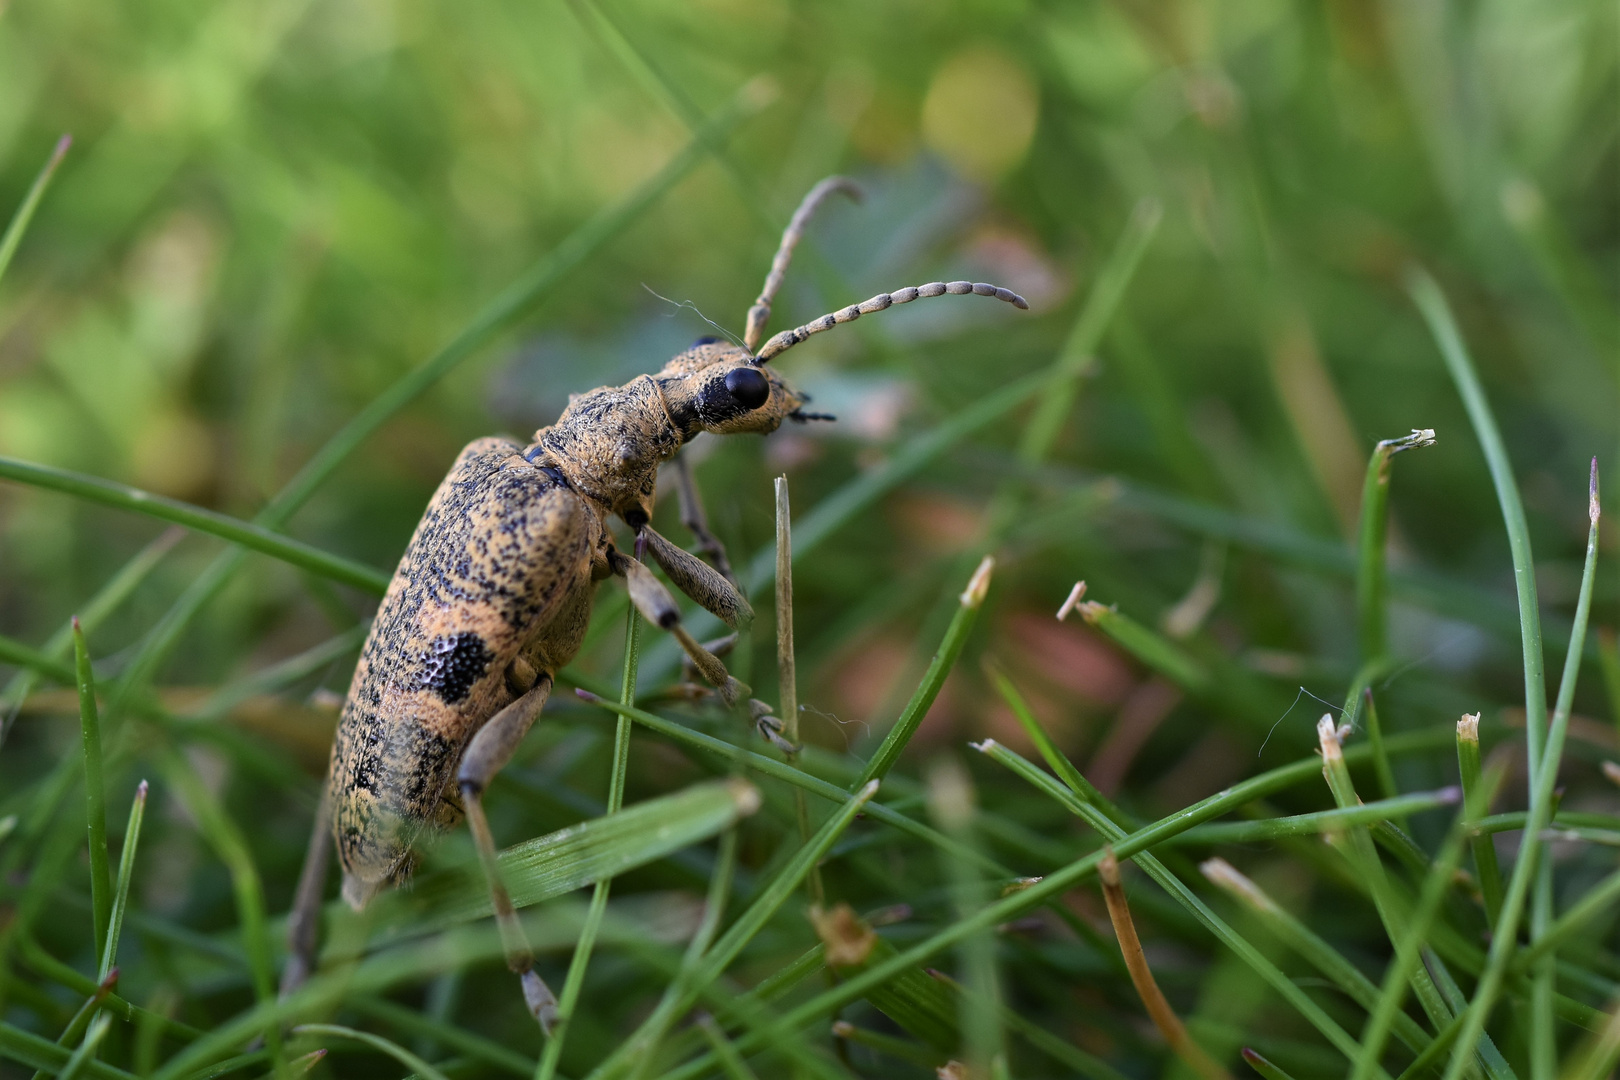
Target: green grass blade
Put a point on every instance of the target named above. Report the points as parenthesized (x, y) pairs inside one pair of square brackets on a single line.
[(894, 743), (376, 1042), (126, 872), (1372, 616), (1431, 302), (1596, 901), (1485, 864), (951, 803), (25, 213), (1148, 646), (1104, 299), (246, 533), (1609, 659), (741, 932), (232, 849), (1504, 935), (95, 791), (87, 1049), (468, 1042), (1321, 821), (572, 858), (42, 1054), (1309, 945), (574, 981), (731, 1062)]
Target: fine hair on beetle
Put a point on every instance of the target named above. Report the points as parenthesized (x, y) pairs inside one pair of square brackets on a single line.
[(493, 595)]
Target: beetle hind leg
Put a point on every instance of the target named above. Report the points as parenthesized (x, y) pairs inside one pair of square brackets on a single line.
[(486, 754)]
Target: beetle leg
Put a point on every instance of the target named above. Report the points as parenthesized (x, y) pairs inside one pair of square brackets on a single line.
[(696, 578), (696, 519), (303, 921), (488, 751), (657, 606)]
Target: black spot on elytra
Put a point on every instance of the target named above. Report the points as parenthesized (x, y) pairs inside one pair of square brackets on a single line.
[(450, 665)]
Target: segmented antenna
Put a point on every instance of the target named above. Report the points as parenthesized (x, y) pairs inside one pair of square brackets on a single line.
[(789, 338), (760, 313)]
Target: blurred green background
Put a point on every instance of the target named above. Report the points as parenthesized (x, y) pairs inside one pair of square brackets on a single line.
[(274, 209)]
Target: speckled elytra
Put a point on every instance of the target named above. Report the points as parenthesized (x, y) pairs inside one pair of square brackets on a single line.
[(493, 594)]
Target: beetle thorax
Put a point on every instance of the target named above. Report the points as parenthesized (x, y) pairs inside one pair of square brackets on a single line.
[(610, 441)]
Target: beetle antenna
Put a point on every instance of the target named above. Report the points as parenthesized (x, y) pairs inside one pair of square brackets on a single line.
[(784, 341), (760, 313)]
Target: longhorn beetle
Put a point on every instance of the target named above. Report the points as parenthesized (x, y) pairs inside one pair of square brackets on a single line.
[(492, 597)]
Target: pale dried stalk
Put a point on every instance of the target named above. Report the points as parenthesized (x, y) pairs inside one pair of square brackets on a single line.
[(1147, 988)]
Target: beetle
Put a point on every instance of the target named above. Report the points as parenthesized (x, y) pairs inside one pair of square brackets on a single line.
[(492, 597)]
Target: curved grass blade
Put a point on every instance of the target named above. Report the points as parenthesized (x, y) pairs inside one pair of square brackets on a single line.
[(376, 1042), (1372, 616), (95, 792), (939, 668), (126, 871), (25, 212), (245, 533), (42, 1054), (87, 1049)]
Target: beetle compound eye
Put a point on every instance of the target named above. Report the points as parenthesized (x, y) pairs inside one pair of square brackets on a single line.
[(748, 386)]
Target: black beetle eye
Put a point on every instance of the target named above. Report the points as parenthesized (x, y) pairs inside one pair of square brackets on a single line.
[(704, 341), (748, 386)]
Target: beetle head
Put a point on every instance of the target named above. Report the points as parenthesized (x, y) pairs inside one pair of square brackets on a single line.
[(718, 387)]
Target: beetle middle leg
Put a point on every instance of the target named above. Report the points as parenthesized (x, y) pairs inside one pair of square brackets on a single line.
[(696, 519), (488, 752)]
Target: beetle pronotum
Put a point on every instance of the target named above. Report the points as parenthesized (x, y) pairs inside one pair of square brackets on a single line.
[(492, 597)]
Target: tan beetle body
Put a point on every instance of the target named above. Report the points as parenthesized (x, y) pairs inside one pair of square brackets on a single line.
[(493, 595)]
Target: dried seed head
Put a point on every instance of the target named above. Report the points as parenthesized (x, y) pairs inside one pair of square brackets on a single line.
[(1327, 734), (848, 940)]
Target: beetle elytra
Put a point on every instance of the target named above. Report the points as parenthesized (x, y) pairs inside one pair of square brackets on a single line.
[(493, 594)]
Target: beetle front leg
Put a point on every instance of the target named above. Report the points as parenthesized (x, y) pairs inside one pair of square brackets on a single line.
[(657, 606), (488, 752)]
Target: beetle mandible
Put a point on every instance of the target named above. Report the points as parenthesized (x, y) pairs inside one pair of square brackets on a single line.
[(492, 597)]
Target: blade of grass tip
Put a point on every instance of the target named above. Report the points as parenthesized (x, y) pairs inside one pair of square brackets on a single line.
[(574, 982), (25, 212), (714, 906), (1314, 949), (944, 660), (731, 1062), (232, 849), (245, 533), (95, 791), (1264, 1067), (126, 871), (748, 924), (1504, 932), (1147, 987), (376, 1042), (87, 1049), (786, 661), (106, 600), (1356, 844), (952, 804), (518, 298), (1408, 946), (1372, 615), (1484, 849)]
